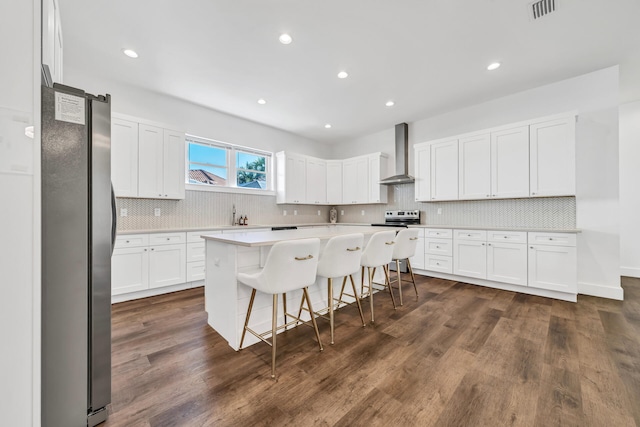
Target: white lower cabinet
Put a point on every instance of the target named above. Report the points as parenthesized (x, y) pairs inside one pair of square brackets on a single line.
[(470, 258), (507, 262), (417, 261), (443, 264), (553, 262), (148, 261)]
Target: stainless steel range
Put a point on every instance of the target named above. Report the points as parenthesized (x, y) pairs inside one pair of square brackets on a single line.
[(400, 219)]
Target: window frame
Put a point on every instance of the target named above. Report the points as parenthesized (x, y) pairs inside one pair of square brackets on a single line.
[(231, 153)]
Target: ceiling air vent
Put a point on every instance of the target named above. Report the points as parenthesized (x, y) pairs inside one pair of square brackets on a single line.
[(542, 8)]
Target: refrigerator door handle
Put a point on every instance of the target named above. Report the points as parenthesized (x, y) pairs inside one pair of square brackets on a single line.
[(114, 220)]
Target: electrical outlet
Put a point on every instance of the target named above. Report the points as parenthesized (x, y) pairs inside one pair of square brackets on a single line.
[(362, 212), (284, 212), (123, 212), (342, 212), (295, 212), (319, 213), (157, 212), (439, 211)]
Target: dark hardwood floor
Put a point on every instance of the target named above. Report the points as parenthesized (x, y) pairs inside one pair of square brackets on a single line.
[(461, 355)]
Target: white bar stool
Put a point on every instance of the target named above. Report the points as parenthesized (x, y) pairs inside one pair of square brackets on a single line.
[(378, 253), (340, 258), (404, 249), (290, 265)]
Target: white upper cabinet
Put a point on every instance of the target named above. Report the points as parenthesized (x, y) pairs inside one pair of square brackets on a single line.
[(355, 178), (510, 163), (474, 167), (552, 151), (422, 153), (316, 181), (377, 172), (52, 48), (443, 172), (291, 176), (146, 161), (334, 182), (124, 157)]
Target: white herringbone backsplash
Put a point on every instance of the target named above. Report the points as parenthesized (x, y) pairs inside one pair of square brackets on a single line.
[(208, 209)]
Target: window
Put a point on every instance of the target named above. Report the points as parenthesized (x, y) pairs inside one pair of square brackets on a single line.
[(217, 164)]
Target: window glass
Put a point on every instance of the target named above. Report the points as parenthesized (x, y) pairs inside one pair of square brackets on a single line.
[(250, 170)]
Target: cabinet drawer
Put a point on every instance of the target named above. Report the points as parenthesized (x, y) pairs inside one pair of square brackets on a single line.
[(507, 236), (439, 233), (167, 238), (132, 241), (442, 264), (195, 271), (439, 247), (195, 252), (552, 239), (194, 236), (470, 235)]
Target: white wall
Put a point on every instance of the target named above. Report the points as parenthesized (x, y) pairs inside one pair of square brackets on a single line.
[(19, 312), (629, 189), (595, 97), (192, 118)]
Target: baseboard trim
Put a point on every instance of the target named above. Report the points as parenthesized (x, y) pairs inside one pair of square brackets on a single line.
[(156, 291), (600, 291), (630, 272)]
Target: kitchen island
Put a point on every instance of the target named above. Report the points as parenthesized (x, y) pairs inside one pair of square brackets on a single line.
[(227, 300)]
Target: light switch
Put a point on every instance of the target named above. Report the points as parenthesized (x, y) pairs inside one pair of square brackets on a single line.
[(295, 212), (123, 212), (156, 212), (284, 212), (362, 212), (439, 211), (319, 212)]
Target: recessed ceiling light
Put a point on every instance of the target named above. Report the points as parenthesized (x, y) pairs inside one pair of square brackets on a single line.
[(343, 75), (390, 103), (285, 38), (493, 66), (327, 126), (261, 101), (130, 53)]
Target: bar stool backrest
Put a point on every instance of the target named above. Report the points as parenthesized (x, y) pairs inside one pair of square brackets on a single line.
[(379, 250), (290, 265), (406, 241), (341, 256)]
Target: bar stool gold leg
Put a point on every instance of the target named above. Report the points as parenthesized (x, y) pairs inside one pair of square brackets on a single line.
[(344, 281), (355, 294), (305, 294), (371, 291), (413, 277), (362, 282), (284, 309), (399, 279), (330, 292), (388, 282), (274, 330), (246, 321)]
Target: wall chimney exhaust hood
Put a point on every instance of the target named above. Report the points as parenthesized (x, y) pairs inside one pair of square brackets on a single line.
[(402, 158)]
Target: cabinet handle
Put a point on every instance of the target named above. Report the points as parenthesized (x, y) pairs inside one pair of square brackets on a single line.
[(437, 263), (145, 250), (437, 247), (483, 244), (127, 241), (488, 244), (487, 195), (530, 247), (159, 195), (153, 249), (468, 235), (166, 195), (504, 237), (533, 194), (550, 238), (168, 238)]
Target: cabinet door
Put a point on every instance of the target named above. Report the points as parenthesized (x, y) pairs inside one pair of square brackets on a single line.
[(377, 171), (173, 177), (150, 161), (362, 180), (316, 181), (470, 258), (474, 164), (124, 158), (510, 163), (507, 263), (417, 261), (553, 268), (129, 270), (167, 265), (423, 173), (334, 182), (444, 170), (552, 153), (295, 179), (355, 173)]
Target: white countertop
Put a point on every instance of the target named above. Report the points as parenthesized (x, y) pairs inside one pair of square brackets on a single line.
[(477, 227), (268, 238)]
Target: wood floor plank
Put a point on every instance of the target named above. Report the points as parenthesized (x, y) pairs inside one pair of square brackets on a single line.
[(461, 355)]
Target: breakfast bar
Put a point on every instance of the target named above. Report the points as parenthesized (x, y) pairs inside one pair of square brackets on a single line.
[(227, 300)]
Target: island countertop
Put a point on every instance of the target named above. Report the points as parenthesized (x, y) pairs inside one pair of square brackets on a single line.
[(269, 238)]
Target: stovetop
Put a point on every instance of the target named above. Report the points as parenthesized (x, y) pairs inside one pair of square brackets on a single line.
[(401, 218)]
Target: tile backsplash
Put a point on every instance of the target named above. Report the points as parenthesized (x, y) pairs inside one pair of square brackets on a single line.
[(209, 209)]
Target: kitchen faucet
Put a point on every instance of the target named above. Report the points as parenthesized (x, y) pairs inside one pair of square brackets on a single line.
[(233, 220)]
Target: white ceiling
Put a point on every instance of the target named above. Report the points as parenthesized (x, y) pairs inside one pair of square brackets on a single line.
[(429, 56)]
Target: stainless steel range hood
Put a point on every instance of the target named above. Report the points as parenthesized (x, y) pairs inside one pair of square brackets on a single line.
[(402, 158)]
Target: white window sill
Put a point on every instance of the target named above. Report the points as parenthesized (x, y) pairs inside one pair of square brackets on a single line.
[(215, 189)]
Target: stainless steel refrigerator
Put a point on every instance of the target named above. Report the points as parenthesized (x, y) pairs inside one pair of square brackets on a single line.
[(78, 231)]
